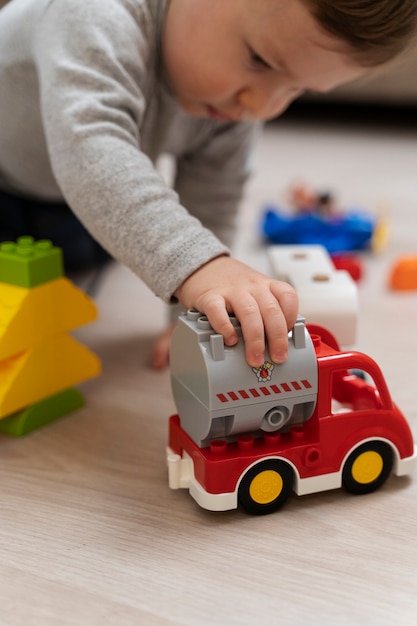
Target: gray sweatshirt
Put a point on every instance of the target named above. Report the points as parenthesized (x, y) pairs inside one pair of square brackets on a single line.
[(85, 111)]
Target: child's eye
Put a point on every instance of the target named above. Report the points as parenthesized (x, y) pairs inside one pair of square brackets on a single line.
[(258, 60)]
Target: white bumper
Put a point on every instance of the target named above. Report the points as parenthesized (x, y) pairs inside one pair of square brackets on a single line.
[(406, 466), (181, 476)]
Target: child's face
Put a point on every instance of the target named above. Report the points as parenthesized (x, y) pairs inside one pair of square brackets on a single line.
[(248, 59)]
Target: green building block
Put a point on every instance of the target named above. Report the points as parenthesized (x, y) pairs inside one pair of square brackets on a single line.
[(42, 413), (28, 263)]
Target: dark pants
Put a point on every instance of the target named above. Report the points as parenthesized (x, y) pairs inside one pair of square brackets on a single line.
[(54, 221)]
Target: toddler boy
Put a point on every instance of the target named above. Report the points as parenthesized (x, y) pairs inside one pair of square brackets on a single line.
[(94, 91)]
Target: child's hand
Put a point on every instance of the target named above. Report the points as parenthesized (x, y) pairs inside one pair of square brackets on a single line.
[(262, 305)]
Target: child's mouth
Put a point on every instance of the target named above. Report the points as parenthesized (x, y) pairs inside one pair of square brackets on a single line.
[(218, 115)]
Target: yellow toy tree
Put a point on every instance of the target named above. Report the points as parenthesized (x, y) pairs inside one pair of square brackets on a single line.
[(39, 361)]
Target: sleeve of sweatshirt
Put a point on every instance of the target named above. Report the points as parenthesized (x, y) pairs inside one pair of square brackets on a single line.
[(93, 65), (211, 180)]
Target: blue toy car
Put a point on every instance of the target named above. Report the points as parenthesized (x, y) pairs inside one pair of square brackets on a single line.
[(344, 232)]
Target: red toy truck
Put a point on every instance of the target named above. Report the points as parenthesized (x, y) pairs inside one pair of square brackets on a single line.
[(252, 436)]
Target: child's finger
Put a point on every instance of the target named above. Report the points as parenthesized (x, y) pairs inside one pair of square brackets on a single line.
[(272, 316), (287, 297), (214, 308), (246, 310), (249, 315), (284, 320), (276, 331)]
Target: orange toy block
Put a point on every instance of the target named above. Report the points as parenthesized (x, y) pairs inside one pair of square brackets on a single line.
[(404, 274)]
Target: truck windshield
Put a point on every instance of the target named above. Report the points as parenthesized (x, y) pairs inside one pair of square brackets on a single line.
[(354, 390)]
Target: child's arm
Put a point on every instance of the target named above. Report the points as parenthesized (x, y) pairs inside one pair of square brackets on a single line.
[(211, 182), (263, 306), (98, 89), (93, 61)]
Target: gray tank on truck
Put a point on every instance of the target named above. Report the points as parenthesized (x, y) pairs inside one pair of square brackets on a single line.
[(218, 395)]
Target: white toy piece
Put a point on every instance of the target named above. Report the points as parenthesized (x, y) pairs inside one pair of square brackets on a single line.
[(327, 296)]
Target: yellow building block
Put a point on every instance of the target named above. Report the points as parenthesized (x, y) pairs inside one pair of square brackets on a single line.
[(43, 370), (31, 315)]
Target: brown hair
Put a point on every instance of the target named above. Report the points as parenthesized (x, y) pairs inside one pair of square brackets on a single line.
[(375, 30)]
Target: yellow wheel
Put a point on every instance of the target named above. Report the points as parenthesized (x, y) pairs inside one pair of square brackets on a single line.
[(266, 487), (368, 467)]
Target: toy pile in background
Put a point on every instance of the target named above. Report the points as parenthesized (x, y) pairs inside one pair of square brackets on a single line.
[(315, 218)]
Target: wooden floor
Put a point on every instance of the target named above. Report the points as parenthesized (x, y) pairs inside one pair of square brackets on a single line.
[(90, 533)]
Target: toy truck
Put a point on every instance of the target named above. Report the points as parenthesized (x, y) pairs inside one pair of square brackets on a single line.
[(251, 436)]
